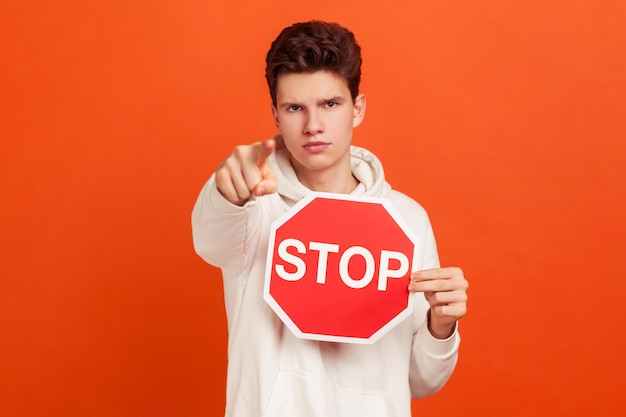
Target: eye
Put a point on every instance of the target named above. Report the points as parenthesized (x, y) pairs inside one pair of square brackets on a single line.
[(293, 108), (331, 104)]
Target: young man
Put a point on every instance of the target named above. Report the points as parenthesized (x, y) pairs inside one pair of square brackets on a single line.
[(313, 72)]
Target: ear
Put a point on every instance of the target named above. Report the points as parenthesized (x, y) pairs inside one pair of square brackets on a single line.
[(359, 110), (275, 117)]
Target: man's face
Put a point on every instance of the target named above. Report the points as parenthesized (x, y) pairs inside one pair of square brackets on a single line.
[(316, 115)]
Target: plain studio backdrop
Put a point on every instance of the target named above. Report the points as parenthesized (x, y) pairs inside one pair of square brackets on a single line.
[(504, 119)]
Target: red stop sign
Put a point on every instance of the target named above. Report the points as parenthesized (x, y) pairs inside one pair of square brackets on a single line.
[(338, 268)]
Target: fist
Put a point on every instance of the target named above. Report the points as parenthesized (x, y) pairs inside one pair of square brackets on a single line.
[(246, 172)]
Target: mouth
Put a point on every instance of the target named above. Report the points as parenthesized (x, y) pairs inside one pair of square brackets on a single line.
[(316, 147)]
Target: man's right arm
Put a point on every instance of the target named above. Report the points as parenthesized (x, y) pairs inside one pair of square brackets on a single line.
[(220, 215)]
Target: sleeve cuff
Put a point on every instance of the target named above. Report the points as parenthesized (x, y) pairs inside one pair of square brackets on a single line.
[(438, 347)]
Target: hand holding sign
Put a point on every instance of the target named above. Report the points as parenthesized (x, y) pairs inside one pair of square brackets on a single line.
[(445, 290), (246, 172)]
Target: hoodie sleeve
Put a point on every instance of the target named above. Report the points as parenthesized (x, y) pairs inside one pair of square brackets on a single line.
[(432, 360)]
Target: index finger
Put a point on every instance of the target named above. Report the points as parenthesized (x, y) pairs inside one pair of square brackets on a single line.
[(262, 151), (436, 273)]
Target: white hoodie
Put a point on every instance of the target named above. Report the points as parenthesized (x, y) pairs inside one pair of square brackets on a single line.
[(271, 373)]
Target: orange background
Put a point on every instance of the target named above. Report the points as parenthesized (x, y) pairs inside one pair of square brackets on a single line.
[(504, 119)]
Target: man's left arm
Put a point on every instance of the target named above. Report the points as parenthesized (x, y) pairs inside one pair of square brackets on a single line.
[(436, 342)]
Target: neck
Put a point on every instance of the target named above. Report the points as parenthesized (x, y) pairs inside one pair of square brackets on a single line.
[(331, 185), (339, 180)]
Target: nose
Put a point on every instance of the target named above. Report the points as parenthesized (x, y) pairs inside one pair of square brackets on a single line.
[(314, 123)]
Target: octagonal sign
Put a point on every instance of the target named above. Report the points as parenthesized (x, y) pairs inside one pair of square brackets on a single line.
[(338, 268)]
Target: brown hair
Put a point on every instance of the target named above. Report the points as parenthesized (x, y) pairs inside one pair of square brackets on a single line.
[(314, 46)]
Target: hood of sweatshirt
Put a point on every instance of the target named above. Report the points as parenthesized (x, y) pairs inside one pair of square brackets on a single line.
[(366, 168)]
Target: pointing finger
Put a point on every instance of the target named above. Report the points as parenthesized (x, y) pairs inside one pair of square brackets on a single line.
[(262, 151)]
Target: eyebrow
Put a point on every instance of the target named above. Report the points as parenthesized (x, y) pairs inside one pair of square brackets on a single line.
[(339, 99)]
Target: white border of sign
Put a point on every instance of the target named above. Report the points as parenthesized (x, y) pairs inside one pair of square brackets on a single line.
[(408, 311)]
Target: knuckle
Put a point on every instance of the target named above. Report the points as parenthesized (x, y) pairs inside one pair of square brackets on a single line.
[(441, 310), (240, 151), (222, 176), (229, 164), (244, 195), (456, 271), (436, 273), (435, 299)]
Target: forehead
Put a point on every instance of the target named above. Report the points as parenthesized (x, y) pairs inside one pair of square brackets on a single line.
[(310, 86)]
